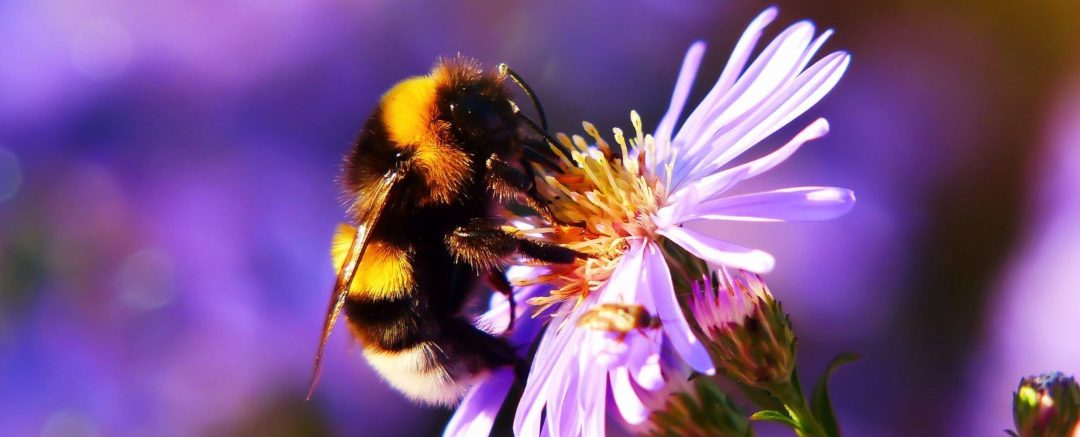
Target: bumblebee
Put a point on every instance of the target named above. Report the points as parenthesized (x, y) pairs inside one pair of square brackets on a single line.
[(422, 182), (621, 319)]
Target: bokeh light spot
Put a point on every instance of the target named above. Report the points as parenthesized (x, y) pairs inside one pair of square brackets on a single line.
[(144, 280)]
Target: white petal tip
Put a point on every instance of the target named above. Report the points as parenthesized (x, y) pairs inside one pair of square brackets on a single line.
[(845, 59), (762, 263), (769, 13)]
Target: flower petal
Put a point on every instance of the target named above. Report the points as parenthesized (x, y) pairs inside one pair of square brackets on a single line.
[(497, 319), (726, 138), (801, 203), (718, 251), (683, 202), (527, 419), (624, 281), (477, 411), (782, 65), (734, 67), (552, 370), (594, 400), (626, 398), (784, 105), (689, 70), (683, 340), (776, 66), (644, 364), (565, 398), (717, 183)]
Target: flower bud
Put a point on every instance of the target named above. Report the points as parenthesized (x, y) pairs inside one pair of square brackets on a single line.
[(1047, 405), (745, 327), (696, 408)]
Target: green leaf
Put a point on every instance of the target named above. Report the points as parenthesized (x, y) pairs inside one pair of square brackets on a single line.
[(774, 416), (820, 404)]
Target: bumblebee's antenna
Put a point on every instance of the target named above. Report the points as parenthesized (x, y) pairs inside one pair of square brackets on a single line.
[(534, 155), (542, 128), (505, 69), (543, 132)]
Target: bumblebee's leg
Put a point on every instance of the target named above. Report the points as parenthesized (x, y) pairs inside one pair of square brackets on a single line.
[(534, 151), (480, 350), (506, 182), (484, 246), (497, 280)]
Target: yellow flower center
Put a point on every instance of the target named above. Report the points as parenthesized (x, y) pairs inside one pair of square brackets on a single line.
[(599, 199)]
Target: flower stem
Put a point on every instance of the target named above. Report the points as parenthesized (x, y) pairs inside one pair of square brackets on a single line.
[(790, 394)]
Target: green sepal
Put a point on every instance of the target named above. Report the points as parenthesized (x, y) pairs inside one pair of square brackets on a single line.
[(760, 397), (699, 408), (820, 404), (1012, 433), (775, 416)]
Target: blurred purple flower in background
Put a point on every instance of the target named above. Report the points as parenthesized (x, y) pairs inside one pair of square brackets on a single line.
[(1034, 322)]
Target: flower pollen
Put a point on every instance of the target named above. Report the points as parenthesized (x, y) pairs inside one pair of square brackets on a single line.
[(600, 198)]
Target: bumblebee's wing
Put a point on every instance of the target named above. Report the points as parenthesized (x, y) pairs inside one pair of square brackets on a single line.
[(369, 209)]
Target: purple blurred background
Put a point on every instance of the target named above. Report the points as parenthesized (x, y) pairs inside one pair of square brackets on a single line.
[(167, 198)]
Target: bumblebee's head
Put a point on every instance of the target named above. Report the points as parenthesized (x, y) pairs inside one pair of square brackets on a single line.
[(475, 103), (479, 120)]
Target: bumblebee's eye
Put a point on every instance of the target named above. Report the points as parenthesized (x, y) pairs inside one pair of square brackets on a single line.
[(402, 157), (477, 114)]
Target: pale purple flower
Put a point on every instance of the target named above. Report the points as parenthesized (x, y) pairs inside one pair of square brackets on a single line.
[(574, 366), (740, 111), (629, 208)]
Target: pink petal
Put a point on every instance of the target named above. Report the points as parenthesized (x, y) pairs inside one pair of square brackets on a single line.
[(718, 251), (477, 411), (626, 398), (683, 340), (802, 203)]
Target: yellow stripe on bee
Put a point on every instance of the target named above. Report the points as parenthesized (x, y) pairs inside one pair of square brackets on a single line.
[(408, 109), (384, 271), (408, 112)]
